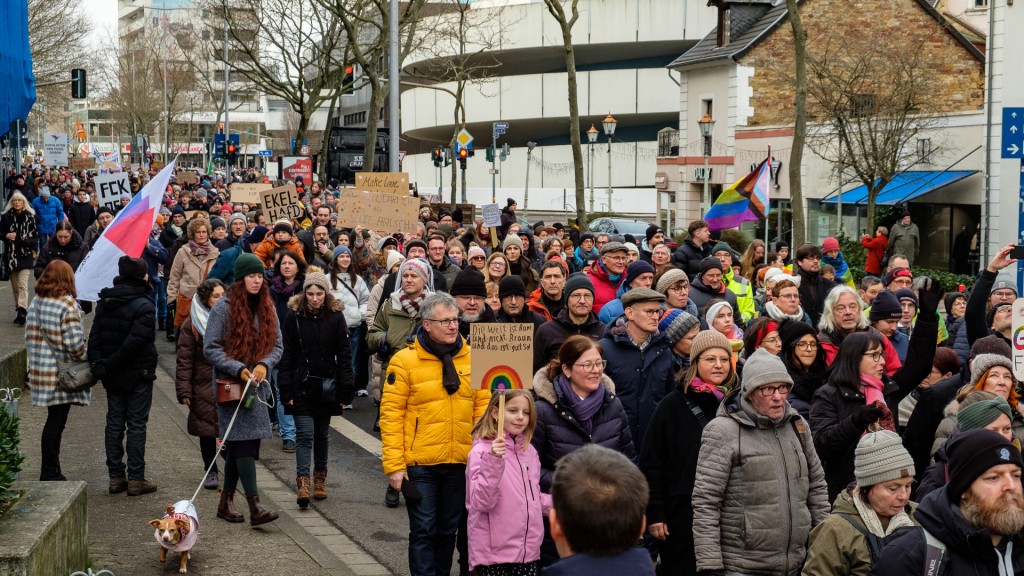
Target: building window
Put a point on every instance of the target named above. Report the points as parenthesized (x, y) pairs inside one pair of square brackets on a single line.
[(980, 3), (862, 105)]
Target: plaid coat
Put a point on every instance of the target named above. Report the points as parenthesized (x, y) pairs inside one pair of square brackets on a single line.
[(54, 331)]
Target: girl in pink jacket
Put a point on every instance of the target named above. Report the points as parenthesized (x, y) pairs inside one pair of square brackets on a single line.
[(503, 494)]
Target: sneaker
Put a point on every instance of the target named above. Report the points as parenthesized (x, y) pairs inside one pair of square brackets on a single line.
[(288, 446), (117, 485), (347, 407), (362, 393), (211, 482), (139, 487), (391, 498)]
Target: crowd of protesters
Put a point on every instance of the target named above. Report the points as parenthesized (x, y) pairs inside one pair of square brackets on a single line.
[(710, 410)]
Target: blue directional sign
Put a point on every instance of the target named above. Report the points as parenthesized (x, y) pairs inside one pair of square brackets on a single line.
[(266, 153), (1013, 133), (218, 141)]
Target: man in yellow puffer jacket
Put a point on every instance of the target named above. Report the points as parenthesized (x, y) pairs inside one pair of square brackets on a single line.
[(427, 412)]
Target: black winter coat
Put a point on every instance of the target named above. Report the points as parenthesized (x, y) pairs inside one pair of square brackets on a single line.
[(688, 257), (559, 433), (73, 253), (969, 549), (318, 346), (527, 316), (928, 414), (20, 252), (122, 349), (81, 215), (813, 290), (834, 406), (669, 461), (700, 295), (553, 333)]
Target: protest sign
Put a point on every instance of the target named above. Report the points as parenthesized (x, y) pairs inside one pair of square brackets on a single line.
[(248, 193), (55, 149), (79, 164), (380, 211), (280, 203), (294, 166), (1017, 326), (491, 214), (392, 182), (109, 188), (502, 356), (186, 177)]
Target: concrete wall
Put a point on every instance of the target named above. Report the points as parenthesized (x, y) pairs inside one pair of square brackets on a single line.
[(47, 531)]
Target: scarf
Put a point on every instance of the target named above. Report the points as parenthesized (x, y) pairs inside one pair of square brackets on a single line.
[(583, 408), (199, 314), (410, 305), (698, 385), (23, 224), (872, 389), (772, 310), (870, 518), (839, 263), (281, 287), (199, 250), (444, 352)]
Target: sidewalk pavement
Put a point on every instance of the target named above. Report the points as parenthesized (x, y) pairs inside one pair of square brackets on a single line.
[(299, 542)]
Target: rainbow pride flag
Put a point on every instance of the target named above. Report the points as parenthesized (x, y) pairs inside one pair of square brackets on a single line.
[(744, 201)]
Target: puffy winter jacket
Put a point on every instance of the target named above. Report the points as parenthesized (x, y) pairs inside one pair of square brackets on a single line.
[(701, 294), (536, 303), (81, 215), (551, 335), (193, 380), (48, 213), (315, 346), (265, 250), (760, 492), (505, 504), (875, 248), (604, 287), (642, 377), (354, 298), (558, 432), (122, 349), (689, 255), (421, 424), (73, 253)]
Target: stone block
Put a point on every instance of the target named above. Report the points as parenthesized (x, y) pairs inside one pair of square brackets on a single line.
[(46, 533)]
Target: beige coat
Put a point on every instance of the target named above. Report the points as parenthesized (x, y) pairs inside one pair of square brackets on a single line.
[(188, 272)]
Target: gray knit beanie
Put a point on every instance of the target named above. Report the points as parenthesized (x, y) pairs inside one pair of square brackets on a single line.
[(982, 363), (880, 457), (512, 240), (762, 368), (707, 339), (318, 279)]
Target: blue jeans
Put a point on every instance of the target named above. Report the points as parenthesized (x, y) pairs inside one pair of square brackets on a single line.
[(160, 293), (128, 411), (285, 422), (311, 433), (434, 520)]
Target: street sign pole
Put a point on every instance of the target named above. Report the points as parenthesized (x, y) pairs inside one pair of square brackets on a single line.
[(1013, 147)]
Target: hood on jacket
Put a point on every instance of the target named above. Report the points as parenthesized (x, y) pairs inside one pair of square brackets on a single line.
[(296, 301), (742, 411), (544, 388), (125, 290), (943, 519)]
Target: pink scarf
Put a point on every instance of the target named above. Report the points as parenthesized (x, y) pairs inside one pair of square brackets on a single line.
[(872, 388)]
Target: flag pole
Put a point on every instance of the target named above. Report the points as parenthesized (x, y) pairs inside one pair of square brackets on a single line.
[(768, 197)]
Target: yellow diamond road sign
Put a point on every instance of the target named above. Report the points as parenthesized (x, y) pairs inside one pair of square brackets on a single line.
[(464, 138)]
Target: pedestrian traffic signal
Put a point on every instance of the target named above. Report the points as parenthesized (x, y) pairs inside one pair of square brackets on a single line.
[(490, 153), (230, 151), (78, 88), (463, 154), (438, 156)]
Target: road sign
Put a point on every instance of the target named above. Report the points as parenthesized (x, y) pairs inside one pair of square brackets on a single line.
[(464, 138), (266, 152), (1013, 133), (19, 127), (304, 150)]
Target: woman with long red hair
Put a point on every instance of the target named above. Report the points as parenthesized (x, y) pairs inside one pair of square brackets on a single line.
[(243, 340)]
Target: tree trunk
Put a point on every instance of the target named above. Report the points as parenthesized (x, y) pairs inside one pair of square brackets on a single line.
[(326, 140), (574, 127), (799, 125), (300, 133)]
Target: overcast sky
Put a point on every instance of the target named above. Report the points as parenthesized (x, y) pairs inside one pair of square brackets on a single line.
[(104, 20)]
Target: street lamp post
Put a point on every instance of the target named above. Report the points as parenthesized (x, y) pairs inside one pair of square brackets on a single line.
[(609, 123), (592, 138), (707, 128), (526, 191)]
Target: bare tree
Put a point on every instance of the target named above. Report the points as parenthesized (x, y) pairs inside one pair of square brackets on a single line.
[(565, 23), (872, 94), (796, 156), (57, 43)]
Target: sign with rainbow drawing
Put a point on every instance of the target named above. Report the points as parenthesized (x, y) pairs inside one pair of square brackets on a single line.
[(502, 356)]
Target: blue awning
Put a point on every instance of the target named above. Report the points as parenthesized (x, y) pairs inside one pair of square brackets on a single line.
[(17, 83), (904, 187)]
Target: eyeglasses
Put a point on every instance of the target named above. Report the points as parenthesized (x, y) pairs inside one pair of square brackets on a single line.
[(652, 313), (788, 297), (769, 391), (477, 258), (582, 297), (716, 360), (807, 345), (617, 258), (679, 287), (772, 340), (447, 323), (876, 355), (592, 366)]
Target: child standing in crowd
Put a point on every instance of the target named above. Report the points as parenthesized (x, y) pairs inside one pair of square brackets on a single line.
[(503, 494)]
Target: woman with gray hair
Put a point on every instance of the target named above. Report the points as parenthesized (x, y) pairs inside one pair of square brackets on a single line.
[(844, 315), (20, 235)]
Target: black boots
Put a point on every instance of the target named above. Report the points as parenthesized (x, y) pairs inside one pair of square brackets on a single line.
[(168, 325), (22, 315)]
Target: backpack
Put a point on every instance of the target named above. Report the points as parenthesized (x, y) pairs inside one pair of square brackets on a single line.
[(935, 551)]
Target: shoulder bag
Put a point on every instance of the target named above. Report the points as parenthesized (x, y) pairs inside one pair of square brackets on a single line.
[(72, 375), (314, 389), (229, 391)]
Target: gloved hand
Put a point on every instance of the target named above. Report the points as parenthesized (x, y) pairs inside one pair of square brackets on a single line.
[(865, 415), (99, 370), (928, 297)]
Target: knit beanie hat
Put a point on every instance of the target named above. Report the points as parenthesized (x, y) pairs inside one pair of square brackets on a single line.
[(651, 231), (829, 244), (476, 251), (236, 216), (421, 267), (881, 457), (176, 210), (982, 363), (906, 295), (512, 240), (990, 344), (394, 257), (510, 286), (469, 282), (318, 279), (283, 226), (257, 234), (791, 331), (709, 263), (135, 268), (761, 368), (894, 274), (216, 223), (951, 298), (630, 247), (971, 454), (577, 281), (709, 315), (670, 278), (707, 339), (247, 264), (724, 246), (340, 250), (510, 202), (412, 244), (1004, 280), (636, 269), (386, 241), (991, 314), (676, 323), (982, 413), (885, 306)]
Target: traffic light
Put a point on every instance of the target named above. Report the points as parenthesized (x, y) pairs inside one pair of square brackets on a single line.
[(490, 153), (230, 151), (438, 156), (78, 88), (348, 81), (463, 154)]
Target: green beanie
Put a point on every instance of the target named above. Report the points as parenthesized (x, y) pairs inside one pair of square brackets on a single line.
[(248, 264), (982, 413)]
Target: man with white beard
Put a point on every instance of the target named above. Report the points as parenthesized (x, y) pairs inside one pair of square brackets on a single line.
[(974, 522), (469, 291)]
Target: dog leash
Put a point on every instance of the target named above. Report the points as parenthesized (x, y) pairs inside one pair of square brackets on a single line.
[(231, 423)]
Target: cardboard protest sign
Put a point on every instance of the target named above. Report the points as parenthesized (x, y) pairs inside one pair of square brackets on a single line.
[(109, 188), (502, 356), (281, 202), (380, 211), (1017, 324), (186, 177), (55, 149), (491, 214), (392, 182), (249, 193), (79, 164)]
